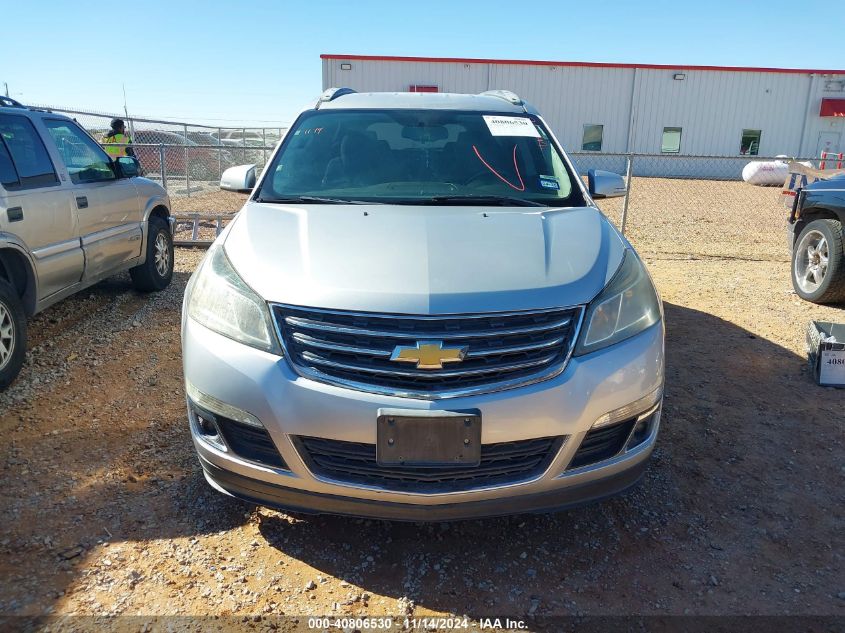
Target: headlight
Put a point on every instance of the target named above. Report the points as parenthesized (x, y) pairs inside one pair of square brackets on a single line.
[(627, 306), (221, 301)]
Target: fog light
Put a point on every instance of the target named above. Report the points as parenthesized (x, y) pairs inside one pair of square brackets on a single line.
[(642, 431), (205, 426)]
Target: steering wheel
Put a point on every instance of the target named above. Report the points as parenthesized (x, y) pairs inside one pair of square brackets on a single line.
[(476, 176)]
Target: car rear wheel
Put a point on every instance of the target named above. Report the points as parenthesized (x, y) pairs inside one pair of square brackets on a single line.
[(818, 262), (12, 334), (155, 273)]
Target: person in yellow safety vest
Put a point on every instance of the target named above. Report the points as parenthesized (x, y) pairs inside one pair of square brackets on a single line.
[(117, 135)]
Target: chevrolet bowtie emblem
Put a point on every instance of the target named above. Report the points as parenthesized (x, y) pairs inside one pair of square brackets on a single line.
[(428, 354)]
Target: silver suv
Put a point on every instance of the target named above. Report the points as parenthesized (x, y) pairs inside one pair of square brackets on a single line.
[(421, 314), (69, 217)]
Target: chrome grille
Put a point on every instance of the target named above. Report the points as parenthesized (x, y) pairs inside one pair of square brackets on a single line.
[(353, 349)]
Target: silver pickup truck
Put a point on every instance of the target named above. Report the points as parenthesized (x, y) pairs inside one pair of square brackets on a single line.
[(69, 217)]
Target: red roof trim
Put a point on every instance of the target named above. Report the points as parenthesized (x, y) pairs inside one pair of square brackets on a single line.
[(526, 62)]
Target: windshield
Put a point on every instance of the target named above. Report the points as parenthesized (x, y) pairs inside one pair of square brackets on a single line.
[(418, 157)]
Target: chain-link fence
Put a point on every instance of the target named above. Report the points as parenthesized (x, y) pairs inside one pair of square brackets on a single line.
[(690, 206), (186, 158), (676, 206), (699, 206)]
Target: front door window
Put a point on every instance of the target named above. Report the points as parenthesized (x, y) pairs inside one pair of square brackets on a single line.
[(85, 159)]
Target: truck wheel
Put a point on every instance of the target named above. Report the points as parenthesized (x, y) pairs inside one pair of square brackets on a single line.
[(818, 262), (156, 272), (12, 334)]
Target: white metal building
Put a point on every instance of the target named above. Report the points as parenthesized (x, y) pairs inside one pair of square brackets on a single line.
[(638, 108)]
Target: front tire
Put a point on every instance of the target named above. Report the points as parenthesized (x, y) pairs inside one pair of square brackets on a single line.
[(12, 334), (157, 271), (818, 262)]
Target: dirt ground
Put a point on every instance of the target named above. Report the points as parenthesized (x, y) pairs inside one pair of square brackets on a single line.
[(105, 510)]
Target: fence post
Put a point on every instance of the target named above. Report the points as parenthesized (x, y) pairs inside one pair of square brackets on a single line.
[(219, 153), (628, 169), (161, 164), (187, 163)]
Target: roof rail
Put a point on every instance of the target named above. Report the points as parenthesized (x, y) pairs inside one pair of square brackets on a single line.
[(10, 103), (333, 93), (507, 95)]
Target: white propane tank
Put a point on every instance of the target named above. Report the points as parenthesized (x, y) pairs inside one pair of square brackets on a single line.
[(766, 172)]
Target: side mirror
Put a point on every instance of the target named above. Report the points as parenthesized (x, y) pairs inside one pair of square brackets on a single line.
[(240, 179), (605, 184), (127, 167)]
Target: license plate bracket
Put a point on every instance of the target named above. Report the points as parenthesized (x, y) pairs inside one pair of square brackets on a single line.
[(428, 438)]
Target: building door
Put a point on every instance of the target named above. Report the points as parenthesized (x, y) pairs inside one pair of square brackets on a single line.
[(828, 142)]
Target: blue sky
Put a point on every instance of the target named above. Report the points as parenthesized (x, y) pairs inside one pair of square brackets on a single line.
[(259, 61)]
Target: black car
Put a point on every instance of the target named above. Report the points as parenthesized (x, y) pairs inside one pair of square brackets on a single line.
[(818, 241)]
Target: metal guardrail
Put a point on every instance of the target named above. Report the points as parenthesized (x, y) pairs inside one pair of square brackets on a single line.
[(196, 221)]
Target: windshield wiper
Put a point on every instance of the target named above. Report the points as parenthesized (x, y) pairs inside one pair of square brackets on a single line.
[(501, 201), (313, 200)]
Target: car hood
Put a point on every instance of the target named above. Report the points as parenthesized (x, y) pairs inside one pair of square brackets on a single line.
[(423, 259)]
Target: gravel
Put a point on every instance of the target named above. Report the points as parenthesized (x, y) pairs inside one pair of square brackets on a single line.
[(106, 512), (215, 201)]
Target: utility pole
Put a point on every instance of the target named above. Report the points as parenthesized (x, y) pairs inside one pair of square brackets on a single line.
[(126, 112), (7, 88)]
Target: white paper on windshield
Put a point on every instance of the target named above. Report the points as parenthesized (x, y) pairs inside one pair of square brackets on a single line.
[(510, 126)]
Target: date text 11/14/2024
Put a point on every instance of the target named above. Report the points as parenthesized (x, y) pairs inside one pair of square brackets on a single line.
[(419, 624)]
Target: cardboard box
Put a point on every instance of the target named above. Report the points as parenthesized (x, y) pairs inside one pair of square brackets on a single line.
[(826, 352)]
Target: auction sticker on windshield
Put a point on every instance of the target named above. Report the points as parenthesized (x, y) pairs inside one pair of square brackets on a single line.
[(510, 126)]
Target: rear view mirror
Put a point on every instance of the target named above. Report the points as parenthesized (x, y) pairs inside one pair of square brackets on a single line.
[(127, 167), (240, 179), (605, 184), (425, 134)]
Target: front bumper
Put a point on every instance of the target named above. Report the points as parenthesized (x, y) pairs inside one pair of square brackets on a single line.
[(283, 498), (288, 406)]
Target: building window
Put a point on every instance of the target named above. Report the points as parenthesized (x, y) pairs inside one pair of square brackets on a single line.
[(750, 143), (671, 140), (592, 138)]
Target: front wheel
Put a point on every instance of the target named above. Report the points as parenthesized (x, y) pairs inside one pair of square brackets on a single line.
[(156, 272), (12, 334), (818, 262)]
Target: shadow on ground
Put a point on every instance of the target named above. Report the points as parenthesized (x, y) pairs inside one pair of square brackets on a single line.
[(739, 501), (737, 512)]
